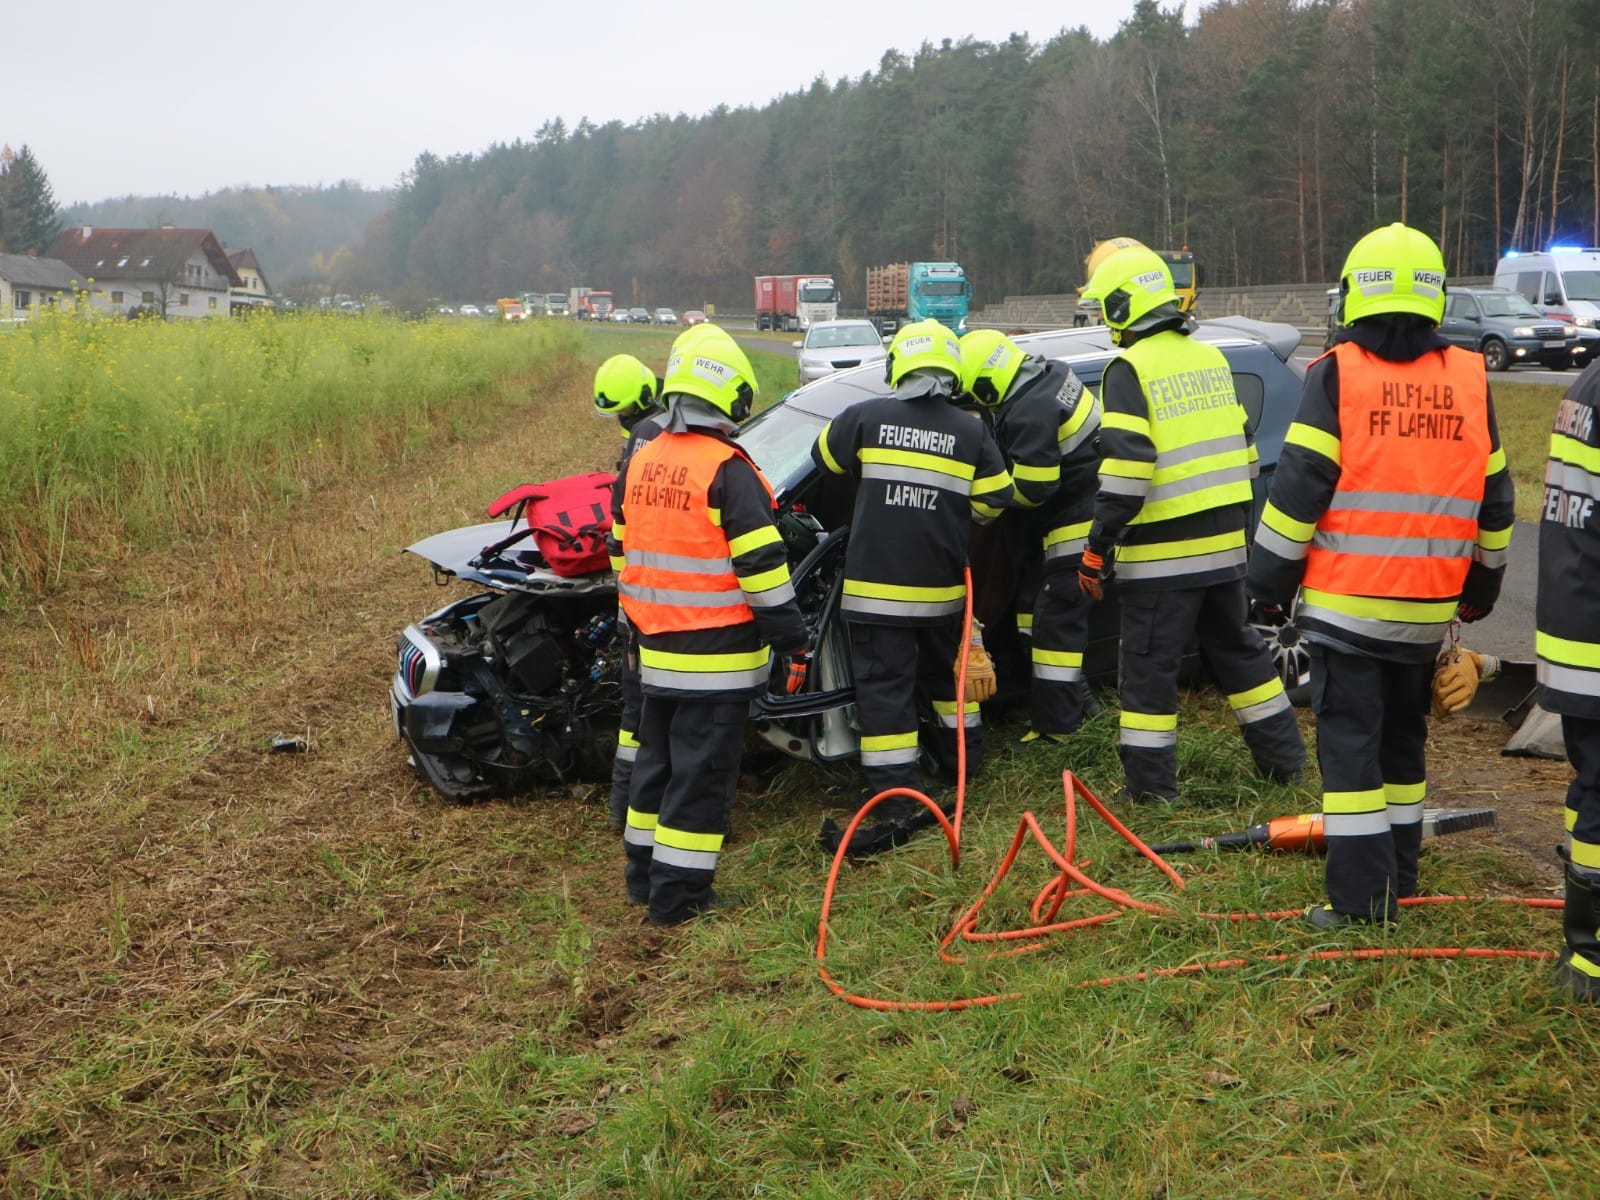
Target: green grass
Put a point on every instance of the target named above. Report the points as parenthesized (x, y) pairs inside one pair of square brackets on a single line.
[(1525, 412)]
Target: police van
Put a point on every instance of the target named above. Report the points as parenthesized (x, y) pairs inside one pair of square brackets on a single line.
[(1562, 282)]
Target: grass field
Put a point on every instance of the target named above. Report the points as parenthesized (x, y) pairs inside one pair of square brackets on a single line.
[(235, 973)]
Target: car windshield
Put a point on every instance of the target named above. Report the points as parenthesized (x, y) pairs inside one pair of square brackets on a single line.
[(826, 336), (1582, 285), (1506, 304), (780, 440), (951, 287), (818, 294)]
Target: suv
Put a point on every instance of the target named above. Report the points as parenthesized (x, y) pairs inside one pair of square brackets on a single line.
[(1506, 329)]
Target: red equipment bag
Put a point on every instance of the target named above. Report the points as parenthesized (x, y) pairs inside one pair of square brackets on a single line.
[(570, 519)]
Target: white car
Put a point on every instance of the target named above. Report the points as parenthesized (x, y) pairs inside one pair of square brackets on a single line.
[(469, 310), (665, 316), (831, 346)]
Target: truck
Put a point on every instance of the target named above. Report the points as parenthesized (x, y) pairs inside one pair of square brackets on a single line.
[(533, 304), (587, 304), (1185, 271), (510, 309), (790, 302), (900, 293), (555, 304)]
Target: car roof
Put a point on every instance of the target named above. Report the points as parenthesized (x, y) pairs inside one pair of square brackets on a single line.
[(1087, 350)]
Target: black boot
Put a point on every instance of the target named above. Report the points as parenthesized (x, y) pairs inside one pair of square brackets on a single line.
[(1578, 972)]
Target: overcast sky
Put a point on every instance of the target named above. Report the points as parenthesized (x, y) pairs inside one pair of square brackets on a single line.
[(154, 97)]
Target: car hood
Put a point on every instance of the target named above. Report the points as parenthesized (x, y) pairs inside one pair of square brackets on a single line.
[(517, 568)]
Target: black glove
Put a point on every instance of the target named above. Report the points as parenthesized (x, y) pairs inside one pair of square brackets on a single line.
[(1471, 612)]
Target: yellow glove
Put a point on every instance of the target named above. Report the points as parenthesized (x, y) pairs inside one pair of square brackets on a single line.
[(980, 670), (1456, 678)]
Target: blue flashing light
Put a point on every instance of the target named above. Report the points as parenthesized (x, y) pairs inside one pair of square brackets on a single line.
[(1566, 249), (1513, 254)]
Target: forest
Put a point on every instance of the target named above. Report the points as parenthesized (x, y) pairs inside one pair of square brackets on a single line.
[(1265, 135)]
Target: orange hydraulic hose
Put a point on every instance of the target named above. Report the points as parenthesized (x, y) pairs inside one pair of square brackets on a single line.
[(1073, 881)]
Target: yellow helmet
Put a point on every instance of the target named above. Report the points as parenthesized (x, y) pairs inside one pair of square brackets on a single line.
[(1395, 269), (1128, 285), (623, 383), (711, 366), (989, 362), (923, 346)]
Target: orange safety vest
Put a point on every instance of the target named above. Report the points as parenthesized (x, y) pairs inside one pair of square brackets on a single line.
[(678, 574), (1413, 448)]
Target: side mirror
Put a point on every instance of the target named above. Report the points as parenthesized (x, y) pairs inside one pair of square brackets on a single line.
[(1474, 317), (797, 345)]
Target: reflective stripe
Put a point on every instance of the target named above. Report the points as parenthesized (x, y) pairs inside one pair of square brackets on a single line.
[(1570, 450), (945, 710), (1194, 451), (1418, 621), (1192, 485), (1404, 793), (922, 477), (1127, 468), (1069, 437), (1036, 474), (1405, 814), (1147, 739), (1585, 854), (1571, 680), (1364, 801), (988, 512), (1393, 547), (1493, 559), (704, 672), (1572, 479), (827, 455), (1025, 624), (1058, 666), (1273, 541), (917, 460), (679, 598), (716, 566), (1259, 703), (888, 599), (772, 597), (1152, 721), (689, 860), (1131, 422), (763, 535), (640, 829), (1313, 439), (1405, 502), (1496, 462), (1362, 824), (1118, 485), (1495, 539), (618, 562), (1190, 565), (763, 581), (1280, 522), (1567, 651), (991, 484), (1579, 963), (1064, 541), (889, 749), (684, 839)]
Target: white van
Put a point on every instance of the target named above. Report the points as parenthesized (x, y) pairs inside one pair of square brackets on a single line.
[(1563, 282)]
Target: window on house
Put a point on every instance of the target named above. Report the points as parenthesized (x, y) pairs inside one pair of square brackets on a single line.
[(21, 299), (213, 303), (123, 261), (145, 261), (147, 297), (116, 297), (183, 299), (99, 262)]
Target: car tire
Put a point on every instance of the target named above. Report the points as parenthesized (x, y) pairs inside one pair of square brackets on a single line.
[(1495, 355), (1290, 656)]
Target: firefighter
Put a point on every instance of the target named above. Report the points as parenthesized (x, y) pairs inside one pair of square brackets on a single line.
[(626, 389), (925, 471), (1568, 646), (705, 583), (1175, 495), (1391, 509), (1046, 424)]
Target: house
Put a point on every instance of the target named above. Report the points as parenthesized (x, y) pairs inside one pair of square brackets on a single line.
[(28, 283), (177, 272), (254, 292)]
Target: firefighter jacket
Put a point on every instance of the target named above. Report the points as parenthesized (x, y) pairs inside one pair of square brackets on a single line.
[(1048, 432), (1177, 465), (925, 470), (639, 430), (1391, 502), (705, 576), (1568, 637)]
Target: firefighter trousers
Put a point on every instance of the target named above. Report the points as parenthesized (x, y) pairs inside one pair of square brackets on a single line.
[(1056, 615), (892, 665), (1372, 732), (1581, 918), (628, 732), (1155, 629), (683, 783)]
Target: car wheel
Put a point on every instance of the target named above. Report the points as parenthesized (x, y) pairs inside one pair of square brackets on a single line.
[(1290, 656), (1495, 357)]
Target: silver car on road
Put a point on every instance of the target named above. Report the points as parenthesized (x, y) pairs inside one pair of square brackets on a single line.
[(831, 346)]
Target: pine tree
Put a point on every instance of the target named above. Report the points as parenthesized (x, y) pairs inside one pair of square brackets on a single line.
[(29, 220)]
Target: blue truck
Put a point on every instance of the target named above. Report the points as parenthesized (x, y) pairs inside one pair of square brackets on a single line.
[(900, 293)]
